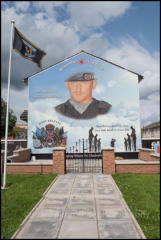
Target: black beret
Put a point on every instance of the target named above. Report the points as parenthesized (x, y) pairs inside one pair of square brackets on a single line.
[(82, 76)]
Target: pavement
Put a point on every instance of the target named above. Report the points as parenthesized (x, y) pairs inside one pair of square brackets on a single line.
[(81, 206)]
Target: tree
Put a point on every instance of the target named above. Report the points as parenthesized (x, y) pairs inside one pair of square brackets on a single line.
[(11, 119)]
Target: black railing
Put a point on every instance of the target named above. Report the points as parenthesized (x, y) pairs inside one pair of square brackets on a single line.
[(83, 162)]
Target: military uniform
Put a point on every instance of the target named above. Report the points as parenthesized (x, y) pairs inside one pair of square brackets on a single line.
[(95, 108)]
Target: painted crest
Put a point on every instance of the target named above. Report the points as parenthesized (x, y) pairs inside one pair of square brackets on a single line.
[(49, 136)]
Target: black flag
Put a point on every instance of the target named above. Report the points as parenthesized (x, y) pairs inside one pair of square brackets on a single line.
[(27, 49)]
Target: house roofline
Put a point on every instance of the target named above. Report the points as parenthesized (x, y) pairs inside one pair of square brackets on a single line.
[(151, 125), (140, 77)]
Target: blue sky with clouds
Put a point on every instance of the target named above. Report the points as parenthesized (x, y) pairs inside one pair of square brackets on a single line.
[(141, 22), (125, 33)]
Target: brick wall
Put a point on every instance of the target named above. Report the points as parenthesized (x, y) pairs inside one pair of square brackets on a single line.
[(155, 157), (57, 167), (28, 169), (108, 160), (59, 160), (145, 154), (138, 168), (23, 155)]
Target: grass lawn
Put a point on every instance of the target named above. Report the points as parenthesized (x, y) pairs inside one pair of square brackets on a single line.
[(18, 200), (142, 194)]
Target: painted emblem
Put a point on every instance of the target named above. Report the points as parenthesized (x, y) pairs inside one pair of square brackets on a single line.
[(28, 50), (49, 136), (81, 61), (87, 76)]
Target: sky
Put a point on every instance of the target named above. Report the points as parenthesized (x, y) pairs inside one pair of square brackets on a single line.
[(125, 33)]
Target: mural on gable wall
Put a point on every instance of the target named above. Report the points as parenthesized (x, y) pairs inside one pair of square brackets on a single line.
[(84, 97)]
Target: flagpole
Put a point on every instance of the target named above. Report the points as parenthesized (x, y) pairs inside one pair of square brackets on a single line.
[(8, 95)]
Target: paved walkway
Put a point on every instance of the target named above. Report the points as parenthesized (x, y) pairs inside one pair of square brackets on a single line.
[(81, 206)]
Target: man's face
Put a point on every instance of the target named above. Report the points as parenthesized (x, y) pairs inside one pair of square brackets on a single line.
[(81, 91)]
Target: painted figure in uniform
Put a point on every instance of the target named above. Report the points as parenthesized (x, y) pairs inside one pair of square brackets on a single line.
[(91, 136), (129, 142), (133, 138), (125, 143), (81, 104), (99, 144), (95, 143), (113, 142)]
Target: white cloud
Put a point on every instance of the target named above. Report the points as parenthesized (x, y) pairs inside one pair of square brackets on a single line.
[(94, 43), (23, 6), (53, 37), (47, 6), (131, 55), (95, 14), (44, 31)]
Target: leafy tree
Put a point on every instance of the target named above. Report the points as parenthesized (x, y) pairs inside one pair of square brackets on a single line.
[(11, 120)]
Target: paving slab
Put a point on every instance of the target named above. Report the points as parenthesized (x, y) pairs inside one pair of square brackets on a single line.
[(40, 229), (78, 202), (108, 201), (49, 213), (118, 229), (112, 213), (81, 206), (105, 191), (83, 191), (83, 214), (78, 230), (58, 202)]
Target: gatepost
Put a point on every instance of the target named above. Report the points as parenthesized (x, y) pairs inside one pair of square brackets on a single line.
[(108, 160), (59, 160)]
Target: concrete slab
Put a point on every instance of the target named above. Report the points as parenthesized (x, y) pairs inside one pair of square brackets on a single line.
[(54, 196), (105, 191), (84, 191), (82, 185), (62, 185), (130, 161), (84, 180), (108, 202), (78, 202), (78, 230), (84, 214), (84, 177), (49, 213), (103, 182), (60, 191), (40, 229), (118, 229), (56, 202), (112, 212), (102, 176)]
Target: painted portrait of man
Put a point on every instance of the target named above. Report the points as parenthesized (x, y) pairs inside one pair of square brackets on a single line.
[(81, 104)]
